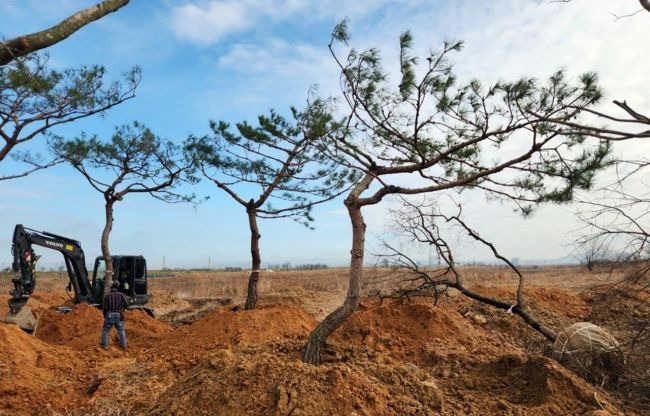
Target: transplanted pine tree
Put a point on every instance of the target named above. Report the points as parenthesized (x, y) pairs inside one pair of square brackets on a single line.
[(272, 170), (132, 161), (430, 134), (34, 99)]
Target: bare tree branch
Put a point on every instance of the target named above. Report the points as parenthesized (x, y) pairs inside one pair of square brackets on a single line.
[(645, 4), (419, 225)]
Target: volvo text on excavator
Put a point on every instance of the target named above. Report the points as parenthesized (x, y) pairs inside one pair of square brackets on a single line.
[(129, 271)]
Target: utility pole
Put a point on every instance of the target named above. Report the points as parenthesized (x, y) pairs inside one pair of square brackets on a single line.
[(163, 265), (209, 261)]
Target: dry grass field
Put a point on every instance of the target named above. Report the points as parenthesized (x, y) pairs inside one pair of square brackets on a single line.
[(222, 284)]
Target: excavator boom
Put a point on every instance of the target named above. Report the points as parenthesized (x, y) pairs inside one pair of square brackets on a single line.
[(24, 265)]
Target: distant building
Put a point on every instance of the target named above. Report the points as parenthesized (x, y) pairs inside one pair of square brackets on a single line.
[(515, 261)]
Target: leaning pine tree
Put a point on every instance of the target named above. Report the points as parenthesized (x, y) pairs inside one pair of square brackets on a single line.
[(272, 170), (430, 134), (133, 161)]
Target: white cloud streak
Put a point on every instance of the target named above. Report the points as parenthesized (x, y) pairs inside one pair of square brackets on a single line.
[(208, 22)]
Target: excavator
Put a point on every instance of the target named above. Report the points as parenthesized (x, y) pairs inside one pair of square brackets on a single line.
[(129, 271)]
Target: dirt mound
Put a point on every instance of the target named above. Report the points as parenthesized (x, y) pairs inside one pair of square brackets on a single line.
[(247, 381), (53, 298), (555, 308), (263, 324), (617, 307), (395, 358), (226, 327), (164, 302), (416, 322), (409, 330), (513, 384), (318, 304), (264, 383), (624, 311), (141, 329), (39, 301), (196, 309), (570, 305), (30, 369), (72, 328), (81, 327)]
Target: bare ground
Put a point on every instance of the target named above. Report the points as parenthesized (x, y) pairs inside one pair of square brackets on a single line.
[(204, 355)]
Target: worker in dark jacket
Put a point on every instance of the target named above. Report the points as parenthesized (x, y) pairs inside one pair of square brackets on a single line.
[(113, 306)]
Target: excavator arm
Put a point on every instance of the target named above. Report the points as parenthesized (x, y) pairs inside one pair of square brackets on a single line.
[(24, 265)]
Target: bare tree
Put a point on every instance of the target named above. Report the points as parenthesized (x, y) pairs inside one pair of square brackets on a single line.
[(619, 219), (645, 6), (288, 175), (34, 99), (420, 225), (616, 219), (133, 161), (430, 135), (593, 253), (22, 45)]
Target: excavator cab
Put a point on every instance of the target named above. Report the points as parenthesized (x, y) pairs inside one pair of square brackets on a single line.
[(130, 272)]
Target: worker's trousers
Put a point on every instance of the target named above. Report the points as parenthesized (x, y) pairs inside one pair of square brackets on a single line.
[(113, 319)]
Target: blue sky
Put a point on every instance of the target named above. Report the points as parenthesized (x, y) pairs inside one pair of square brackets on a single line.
[(231, 60)]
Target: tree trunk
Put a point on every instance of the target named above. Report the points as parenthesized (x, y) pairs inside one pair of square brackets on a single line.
[(319, 335), (645, 4), (254, 278), (23, 45), (108, 226)]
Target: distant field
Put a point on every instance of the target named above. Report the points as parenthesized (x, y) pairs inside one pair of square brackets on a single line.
[(207, 284)]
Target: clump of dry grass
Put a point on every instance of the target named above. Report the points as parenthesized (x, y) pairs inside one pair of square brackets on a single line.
[(195, 284), (46, 281)]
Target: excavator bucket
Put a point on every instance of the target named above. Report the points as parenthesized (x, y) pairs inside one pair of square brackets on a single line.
[(22, 316)]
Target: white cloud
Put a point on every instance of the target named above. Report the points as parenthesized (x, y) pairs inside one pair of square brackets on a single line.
[(504, 40), (275, 66), (270, 73), (208, 22), (277, 57)]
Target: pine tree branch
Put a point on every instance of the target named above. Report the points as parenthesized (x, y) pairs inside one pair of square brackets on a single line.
[(25, 44)]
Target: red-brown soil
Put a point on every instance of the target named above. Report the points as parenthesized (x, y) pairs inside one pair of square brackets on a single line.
[(397, 358), (31, 370), (81, 327)]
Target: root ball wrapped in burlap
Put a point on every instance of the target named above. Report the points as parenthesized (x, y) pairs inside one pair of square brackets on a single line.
[(590, 351)]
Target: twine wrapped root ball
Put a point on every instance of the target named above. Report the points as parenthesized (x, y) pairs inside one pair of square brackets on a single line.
[(590, 351)]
